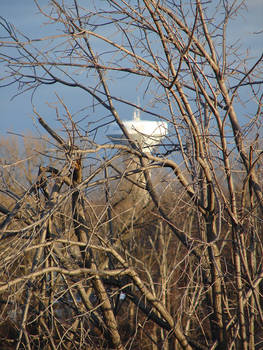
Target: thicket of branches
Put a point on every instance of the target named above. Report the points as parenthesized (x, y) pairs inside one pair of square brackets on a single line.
[(163, 253)]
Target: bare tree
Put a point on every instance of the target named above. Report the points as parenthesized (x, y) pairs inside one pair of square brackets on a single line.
[(88, 268)]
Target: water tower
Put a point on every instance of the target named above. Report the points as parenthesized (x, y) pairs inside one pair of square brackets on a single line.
[(147, 135)]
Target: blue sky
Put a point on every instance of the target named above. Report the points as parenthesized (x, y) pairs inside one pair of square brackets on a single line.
[(17, 115)]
